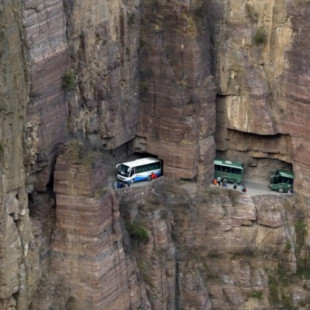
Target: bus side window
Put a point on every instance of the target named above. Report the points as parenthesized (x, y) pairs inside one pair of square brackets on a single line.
[(238, 171), (132, 171)]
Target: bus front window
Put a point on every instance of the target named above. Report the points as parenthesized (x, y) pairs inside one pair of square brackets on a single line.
[(123, 170), (275, 180)]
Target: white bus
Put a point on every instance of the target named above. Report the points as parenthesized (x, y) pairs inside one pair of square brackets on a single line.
[(139, 170)]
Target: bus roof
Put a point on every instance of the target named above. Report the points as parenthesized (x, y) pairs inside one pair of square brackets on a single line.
[(140, 162), (286, 174), (228, 163)]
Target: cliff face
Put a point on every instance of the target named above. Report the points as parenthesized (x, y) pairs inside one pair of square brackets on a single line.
[(178, 112), (218, 249), (87, 252), (16, 254), (104, 39), (160, 78), (261, 72), (47, 56)]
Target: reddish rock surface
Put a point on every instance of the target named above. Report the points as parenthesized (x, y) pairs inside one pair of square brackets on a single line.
[(263, 90), (87, 250), (295, 95), (213, 249), (178, 112), (222, 248)]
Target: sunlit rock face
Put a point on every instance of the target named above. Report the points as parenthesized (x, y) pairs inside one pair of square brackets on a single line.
[(261, 74), (295, 95), (178, 112), (255, 37)]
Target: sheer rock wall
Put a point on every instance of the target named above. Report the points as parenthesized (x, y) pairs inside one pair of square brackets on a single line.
[(261, 75), (150, 72), (47, 56), (19, 259), (87, 252), (103, 37), (224, 249), (178, 112)]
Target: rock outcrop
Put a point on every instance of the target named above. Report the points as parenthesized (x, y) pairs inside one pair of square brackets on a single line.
[(224, 249), (87, 253)]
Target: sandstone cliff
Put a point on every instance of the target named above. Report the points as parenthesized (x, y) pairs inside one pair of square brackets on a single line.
[(89, 268), (218, 249), (261, 71), (19, 269), (161, 78), (178, 112)]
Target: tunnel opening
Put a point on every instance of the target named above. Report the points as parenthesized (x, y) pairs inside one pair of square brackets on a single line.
[(257, 169), (261, 155)]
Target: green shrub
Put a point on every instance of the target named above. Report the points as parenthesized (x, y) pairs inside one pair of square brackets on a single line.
[(287, 301), (257, 294), (141, 43), (273, 290), (68, 80), (131, 19), (137, 232), (260, 37), (283, 277), (303, 268), (143, 86)]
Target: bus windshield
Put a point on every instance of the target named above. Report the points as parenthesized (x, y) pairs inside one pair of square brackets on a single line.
[(282, 181), (123, 170)]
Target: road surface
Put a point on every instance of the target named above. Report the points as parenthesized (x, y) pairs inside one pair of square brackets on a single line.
[(253, 188)]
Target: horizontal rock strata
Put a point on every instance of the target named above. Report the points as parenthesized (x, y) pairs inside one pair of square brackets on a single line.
[(177, 115), (87, 249)]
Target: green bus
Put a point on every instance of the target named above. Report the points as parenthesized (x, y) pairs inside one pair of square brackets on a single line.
[(229, 171), (282, 181)]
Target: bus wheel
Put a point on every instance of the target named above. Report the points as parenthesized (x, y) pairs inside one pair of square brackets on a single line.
[(281, 190)]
